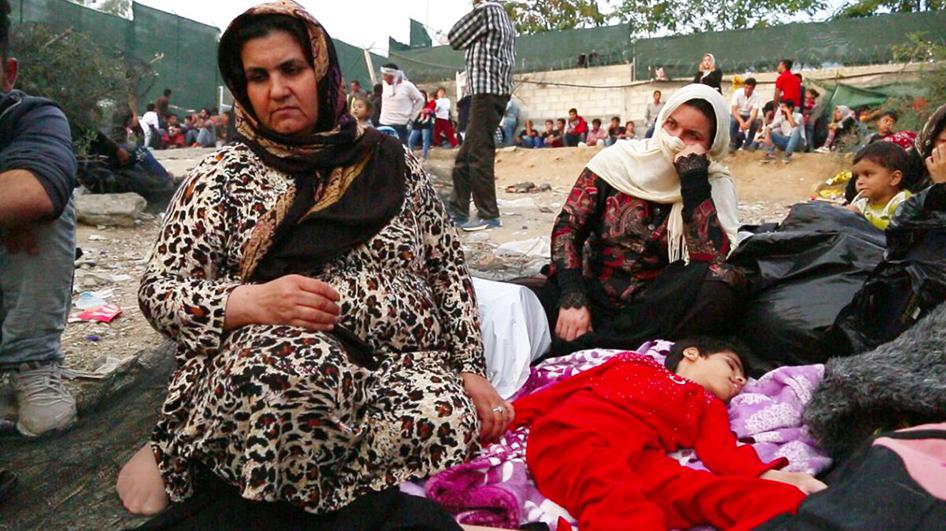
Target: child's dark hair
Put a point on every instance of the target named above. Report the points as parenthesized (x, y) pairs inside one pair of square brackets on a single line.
[(751, 82), (892, 114), (788, 64), (789, 103), (573, 110), (887, 155), (596, 121), (707, 346)]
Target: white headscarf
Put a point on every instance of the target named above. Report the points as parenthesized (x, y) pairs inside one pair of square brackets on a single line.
[(846, 113), (644, 169), (712, 64), (398, 77)]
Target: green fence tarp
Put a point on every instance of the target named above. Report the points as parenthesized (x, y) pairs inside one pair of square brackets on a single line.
[(188, 49), (816, 44), (853, 97), (59, 15), (551, 50), (419, 36), (845, 42), (352, 61)]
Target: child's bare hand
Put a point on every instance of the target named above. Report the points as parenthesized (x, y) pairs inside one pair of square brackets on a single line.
[(853, 209), (805, 482)]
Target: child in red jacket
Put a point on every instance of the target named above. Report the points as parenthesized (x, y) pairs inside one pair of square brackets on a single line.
[(598, 445)]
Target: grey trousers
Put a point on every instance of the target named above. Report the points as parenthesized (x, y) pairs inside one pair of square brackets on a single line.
[(36, 292), (473, 172)]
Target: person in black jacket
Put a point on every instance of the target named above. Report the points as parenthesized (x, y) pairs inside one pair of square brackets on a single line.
[(37, 248), (708, 73)]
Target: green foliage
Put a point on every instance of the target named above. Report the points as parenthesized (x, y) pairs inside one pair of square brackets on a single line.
[(121, 8), (550, 15), (866, 8), (932, 80), (688, 16), (72, 70)]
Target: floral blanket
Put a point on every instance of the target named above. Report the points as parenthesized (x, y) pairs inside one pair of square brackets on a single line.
[(495, 489)]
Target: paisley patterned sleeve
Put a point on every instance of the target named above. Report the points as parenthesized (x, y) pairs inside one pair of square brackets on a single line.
[(569, 233), (448, 276), (184, 290)]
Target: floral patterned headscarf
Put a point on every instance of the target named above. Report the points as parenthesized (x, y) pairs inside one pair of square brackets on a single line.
[(934, 126), (348, 180)]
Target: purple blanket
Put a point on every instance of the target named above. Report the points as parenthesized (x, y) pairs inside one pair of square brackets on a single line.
[(495, 489)]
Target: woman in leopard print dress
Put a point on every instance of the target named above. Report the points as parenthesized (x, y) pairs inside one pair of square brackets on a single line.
[(326, 325)]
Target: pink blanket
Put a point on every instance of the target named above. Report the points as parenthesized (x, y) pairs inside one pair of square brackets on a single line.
[(495, 489)]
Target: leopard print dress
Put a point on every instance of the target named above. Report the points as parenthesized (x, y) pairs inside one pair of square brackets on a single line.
[(280, 411)]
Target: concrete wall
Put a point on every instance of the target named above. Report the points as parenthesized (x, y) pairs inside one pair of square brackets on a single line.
[(602, 92)]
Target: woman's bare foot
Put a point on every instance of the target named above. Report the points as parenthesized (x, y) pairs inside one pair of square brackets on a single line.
[(140, 485)]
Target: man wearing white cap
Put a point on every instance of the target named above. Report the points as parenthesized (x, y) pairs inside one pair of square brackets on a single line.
[(400, 100)]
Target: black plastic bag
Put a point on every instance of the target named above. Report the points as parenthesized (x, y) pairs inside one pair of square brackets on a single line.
[(909, 283), (801, 276)]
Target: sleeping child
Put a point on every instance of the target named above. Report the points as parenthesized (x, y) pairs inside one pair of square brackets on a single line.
[(598, 445), (877, 174)]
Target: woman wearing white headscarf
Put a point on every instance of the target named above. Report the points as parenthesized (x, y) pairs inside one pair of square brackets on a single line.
[(638, 250), (843, 120), (709, 74)]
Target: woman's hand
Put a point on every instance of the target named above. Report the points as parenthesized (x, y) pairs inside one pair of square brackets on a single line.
[(805, 482), (573, 323), (290, 300), (936, 164), (494, 412), (690, 149)]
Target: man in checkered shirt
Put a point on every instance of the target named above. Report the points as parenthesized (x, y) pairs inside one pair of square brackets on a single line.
[(489, 38)]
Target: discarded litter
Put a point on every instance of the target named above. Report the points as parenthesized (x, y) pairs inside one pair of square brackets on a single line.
[(92, 337), (91, 299), (97, 238), (531, 247), (103, 314), (525, 202), (528, 187)]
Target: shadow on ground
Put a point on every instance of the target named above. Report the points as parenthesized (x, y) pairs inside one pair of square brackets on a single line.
[(69, 482)]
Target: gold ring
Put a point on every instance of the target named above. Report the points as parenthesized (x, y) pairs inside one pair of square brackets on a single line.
[(499, 409)]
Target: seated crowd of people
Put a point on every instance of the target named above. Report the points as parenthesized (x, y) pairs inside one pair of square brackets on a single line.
[(159, 128), (574, 131)]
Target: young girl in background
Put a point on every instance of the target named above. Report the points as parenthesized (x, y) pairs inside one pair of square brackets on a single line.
[(442, 124), (361, 110)]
